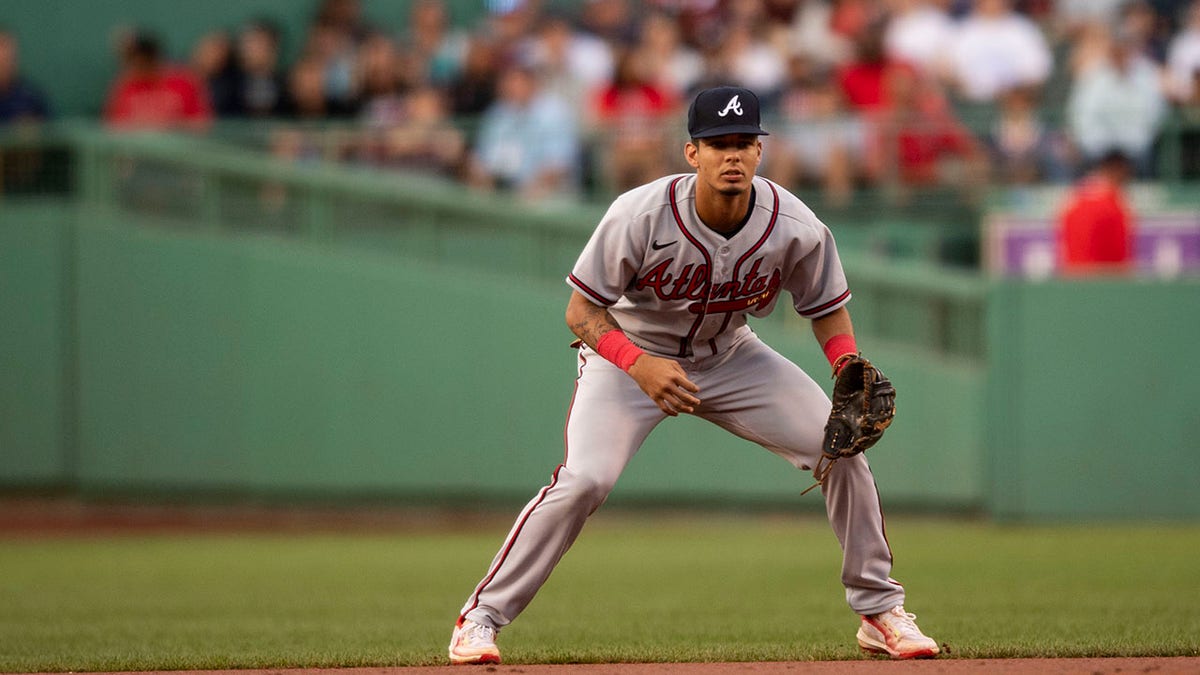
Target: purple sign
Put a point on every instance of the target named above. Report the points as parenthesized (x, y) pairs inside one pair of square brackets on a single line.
[(1165, 245)]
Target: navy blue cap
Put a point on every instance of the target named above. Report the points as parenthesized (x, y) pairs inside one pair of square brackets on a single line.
[(724, 110)]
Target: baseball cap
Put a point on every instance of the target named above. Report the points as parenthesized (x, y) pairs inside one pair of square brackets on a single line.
[(724, 110)]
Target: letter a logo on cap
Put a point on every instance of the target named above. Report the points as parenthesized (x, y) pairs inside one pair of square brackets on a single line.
[(707, 117), (735, 105)]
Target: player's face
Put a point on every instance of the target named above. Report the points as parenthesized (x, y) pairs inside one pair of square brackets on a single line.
[(726, 163)]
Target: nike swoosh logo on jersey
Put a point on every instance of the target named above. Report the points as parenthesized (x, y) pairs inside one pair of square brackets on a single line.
[(658, 247)]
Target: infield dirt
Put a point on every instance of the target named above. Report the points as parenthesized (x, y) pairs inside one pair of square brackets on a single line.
[(1093, 666)]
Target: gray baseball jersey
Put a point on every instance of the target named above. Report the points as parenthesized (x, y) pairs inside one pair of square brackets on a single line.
[(677, 288), (680, 290)]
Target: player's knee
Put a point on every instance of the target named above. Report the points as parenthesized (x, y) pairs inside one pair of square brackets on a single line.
[(588, 489)]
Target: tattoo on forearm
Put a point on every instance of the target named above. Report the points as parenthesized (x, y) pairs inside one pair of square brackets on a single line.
[(594, 323)]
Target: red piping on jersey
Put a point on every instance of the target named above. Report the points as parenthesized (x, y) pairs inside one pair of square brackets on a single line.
[(737, 267), (584, 287), (685, 341), (820, 308), (512, 540), (763, 239)]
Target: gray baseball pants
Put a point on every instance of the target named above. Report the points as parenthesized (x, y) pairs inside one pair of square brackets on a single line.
[(751, 391)]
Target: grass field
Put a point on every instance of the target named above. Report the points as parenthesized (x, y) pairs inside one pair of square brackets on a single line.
[(634, 588)]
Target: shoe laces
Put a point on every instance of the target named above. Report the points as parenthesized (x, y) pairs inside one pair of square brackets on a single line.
[(479, 632), (903, 622)]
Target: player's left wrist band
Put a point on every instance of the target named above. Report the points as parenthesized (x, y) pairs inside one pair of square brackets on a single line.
[(838, 346), (616, 347)]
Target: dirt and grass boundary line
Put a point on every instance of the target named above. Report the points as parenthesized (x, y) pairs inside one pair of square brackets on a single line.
[(942, 666)]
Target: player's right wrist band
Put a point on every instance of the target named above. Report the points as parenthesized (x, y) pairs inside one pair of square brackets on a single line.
[(616, 347)]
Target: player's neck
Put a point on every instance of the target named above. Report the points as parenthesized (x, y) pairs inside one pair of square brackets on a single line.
[(722, 212)]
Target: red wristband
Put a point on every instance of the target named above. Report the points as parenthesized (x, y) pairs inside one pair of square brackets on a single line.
[(838, 346), (617, 348)]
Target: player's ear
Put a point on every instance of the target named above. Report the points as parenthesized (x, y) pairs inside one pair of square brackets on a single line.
[(689, 153)]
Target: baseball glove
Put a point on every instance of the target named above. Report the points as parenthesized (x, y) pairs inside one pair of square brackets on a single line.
[(864, 403)]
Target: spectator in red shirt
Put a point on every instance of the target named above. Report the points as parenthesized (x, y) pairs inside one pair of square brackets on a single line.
[(915, 139), (864, 79), (149, 94), (919, 142), (629, 115), (1095, 233)]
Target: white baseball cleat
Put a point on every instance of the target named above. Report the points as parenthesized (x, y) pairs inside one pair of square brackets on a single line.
[(895, 633), (473, 643)]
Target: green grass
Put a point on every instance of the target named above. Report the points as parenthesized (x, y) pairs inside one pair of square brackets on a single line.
[(634, 588)]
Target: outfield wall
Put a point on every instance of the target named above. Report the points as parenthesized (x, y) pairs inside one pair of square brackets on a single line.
[(35, 421), (243, 365), (247, 365), (254, 366), (1092, 397)]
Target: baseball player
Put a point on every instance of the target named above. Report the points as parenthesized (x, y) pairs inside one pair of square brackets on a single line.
[(659, 302)]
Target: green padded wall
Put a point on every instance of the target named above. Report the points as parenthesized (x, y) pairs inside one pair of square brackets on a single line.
[(1093, 396), (34, 424), (260, 366), (257, 365)]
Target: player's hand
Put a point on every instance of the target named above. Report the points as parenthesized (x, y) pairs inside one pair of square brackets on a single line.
[(665, 383)]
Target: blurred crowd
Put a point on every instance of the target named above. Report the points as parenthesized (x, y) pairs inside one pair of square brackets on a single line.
[(546, 99)]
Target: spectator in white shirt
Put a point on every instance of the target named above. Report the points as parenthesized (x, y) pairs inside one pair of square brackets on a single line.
[(996, 49), (1072, 15), (571, 63), (918, 32), (1183, 58), (1118, 104), (813, 37), (753, 60), (673, 64)]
